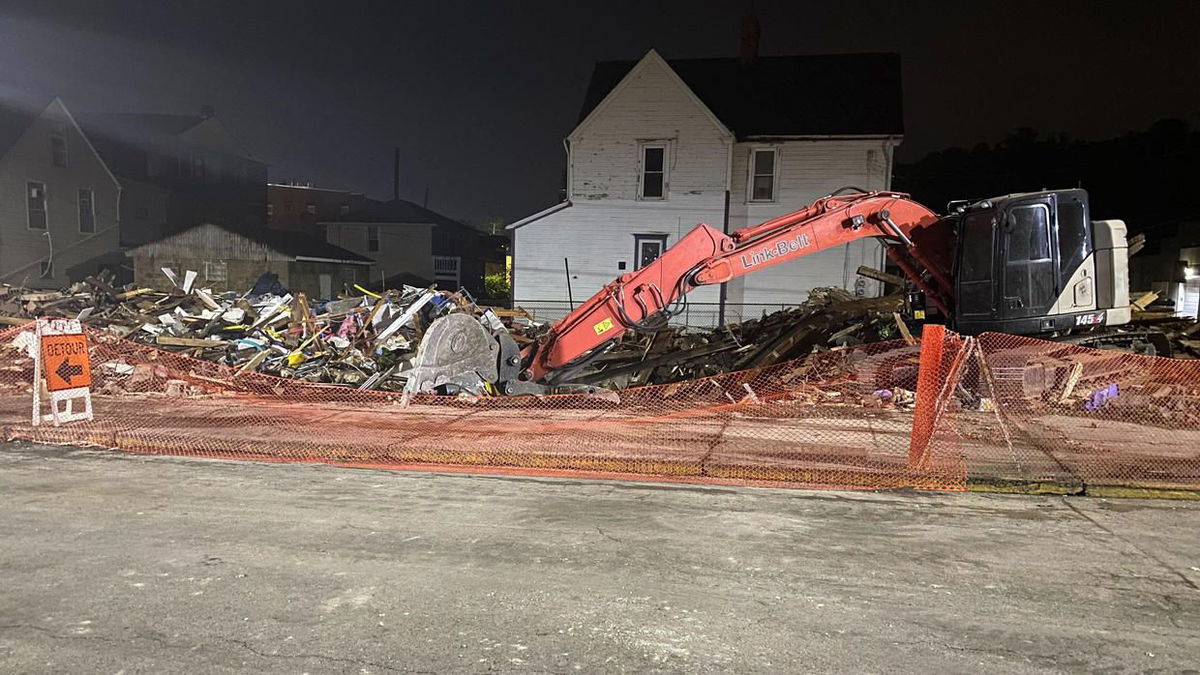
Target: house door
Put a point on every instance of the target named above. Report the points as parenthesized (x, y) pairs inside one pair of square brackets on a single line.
[(447, 271), (326, 286), (1190, 305)]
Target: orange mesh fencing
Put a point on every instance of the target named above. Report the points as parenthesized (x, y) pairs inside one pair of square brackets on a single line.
[(1088, 417), (839, 419)]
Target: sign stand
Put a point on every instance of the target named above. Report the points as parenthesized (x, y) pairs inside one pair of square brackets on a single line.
[(60, 354)]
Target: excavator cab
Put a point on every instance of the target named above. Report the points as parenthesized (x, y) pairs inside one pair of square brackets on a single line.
[(1034, 263)]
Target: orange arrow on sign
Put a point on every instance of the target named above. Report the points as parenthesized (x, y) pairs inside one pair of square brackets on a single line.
[(65, 362)]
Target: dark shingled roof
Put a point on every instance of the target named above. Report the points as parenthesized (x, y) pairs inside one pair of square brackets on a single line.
[(395, 211), (835, 94), (301, 245)]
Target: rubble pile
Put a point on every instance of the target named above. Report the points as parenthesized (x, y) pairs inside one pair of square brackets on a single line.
[(363, 340), (369, 340), (828, 319)]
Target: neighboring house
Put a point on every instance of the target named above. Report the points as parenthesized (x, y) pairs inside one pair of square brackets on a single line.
[(226, 259), (178, 171), (58, 201), (299, 208), (408, 242), (661, 143)]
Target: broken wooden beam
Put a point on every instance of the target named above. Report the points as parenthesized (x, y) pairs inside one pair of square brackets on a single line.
[(1144, 301), (878, 275), (1136, 243), (172, 341)]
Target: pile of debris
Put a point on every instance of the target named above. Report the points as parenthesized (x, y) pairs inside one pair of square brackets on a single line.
[(369, 340), (1154, 313), (830, 318), (364, 340)]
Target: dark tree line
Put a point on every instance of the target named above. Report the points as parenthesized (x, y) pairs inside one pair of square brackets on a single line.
[(1150, 179)]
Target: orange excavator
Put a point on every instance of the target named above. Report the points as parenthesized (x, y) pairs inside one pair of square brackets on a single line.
[(1025, 264)]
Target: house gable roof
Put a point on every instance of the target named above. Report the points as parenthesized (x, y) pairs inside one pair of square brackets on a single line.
[(296, 245), (17, 112), (631, 68), (818, 95)]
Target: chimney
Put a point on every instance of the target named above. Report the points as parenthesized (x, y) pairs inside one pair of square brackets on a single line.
[(751, 32), (206, 111), (396, 175)]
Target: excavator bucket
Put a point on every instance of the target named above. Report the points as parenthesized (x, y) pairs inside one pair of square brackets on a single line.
[(457, 354)]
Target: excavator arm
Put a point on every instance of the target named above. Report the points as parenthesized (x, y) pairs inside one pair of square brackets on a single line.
[(648, 297)]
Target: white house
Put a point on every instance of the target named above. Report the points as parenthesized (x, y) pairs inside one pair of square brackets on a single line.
[(662, 144), (58, 200)]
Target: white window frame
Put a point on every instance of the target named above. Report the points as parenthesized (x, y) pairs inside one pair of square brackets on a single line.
[(91, 205), (45, 207), (665, 146), (447, 268), (212, 266), (774, 175)]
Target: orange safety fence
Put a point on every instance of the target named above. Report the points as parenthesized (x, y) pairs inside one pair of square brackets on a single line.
[(838, 419)]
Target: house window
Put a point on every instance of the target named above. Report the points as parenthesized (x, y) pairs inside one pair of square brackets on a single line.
[(197, 165), (270, 209), (654, 172), (58, 150), (36, 205), (372, 238), (323, 232), (762, 175), (647, 248), (87, 211), (310, 209), (214, 270), (344, 210)]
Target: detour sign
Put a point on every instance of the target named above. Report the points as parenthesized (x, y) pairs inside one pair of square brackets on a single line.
[(65, 362)]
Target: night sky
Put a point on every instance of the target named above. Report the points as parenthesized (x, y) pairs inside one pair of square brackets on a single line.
[(478, 95)]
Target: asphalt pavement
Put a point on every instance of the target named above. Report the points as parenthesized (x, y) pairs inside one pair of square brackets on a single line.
[(118, 563)]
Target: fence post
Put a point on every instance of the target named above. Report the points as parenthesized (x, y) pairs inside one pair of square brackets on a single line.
[(929, 375)]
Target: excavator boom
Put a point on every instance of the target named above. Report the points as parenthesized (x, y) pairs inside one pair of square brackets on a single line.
[(648, 297)]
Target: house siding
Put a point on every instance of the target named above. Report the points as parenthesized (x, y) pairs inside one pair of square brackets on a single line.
[(76, 254), (597, 232), (808, 170), (652, 106), (593, 239), (245, 260), (403, 247)]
